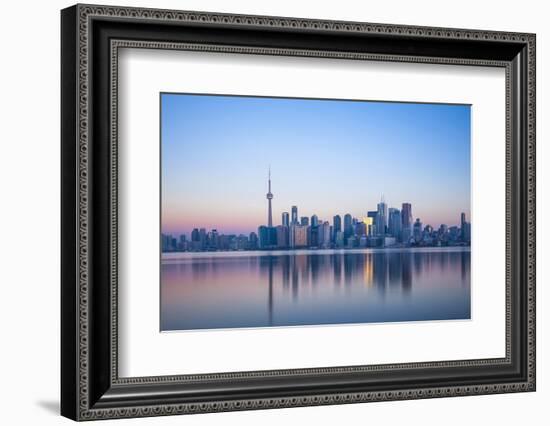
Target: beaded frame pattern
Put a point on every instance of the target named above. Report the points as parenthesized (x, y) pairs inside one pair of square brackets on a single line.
[(86, 12)]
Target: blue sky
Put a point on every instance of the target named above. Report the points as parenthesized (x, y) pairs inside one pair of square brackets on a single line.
[(327, 157)]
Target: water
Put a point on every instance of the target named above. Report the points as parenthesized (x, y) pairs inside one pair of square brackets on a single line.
[(285, 288)]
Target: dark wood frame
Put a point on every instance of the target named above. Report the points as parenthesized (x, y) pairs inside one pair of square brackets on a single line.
[(90, 386)]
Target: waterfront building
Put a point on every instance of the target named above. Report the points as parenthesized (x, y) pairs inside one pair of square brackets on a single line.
[(166, 242), (267, 236), (313, 236), (375, 241), (294, 215), (227, 242), (202, 238), (465, 229), (348, 229), (373, 214), (394, 223), (382, 217), (368, 221), (253, 241), (324, 235), (298, 236), (467, 232), (389, 241), (406, 235), (336, 226), (417, 230), (339, 239), (406, 215), (285, 219), (351, 242), (282, 236), (212, 239), (314, 220), (242, 242), (454, 234), (360, 229)]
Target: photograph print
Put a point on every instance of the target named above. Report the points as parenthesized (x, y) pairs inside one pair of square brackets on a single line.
[(279, 212)]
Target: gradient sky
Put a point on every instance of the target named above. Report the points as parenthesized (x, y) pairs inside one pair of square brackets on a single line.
[(327, 157)]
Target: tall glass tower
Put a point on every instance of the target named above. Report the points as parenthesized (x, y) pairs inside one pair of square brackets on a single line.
[(285, 219), (294, 217), (382, 217), (406, 215)]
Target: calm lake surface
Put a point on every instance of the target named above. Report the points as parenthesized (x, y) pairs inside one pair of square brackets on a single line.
[(285, 288)]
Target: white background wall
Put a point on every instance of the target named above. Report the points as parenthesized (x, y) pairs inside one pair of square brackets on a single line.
[(29, 213)]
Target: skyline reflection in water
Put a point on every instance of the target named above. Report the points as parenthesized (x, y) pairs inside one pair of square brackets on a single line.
[(261, 289)]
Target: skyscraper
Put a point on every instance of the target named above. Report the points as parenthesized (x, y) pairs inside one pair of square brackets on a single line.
[(166, 242), (465, 230), (314, 220), (336, 226), (253, 241), (269, 197), (294, 217), (282, 236), (324, 235), (348, 229), (360, 228), (382, 217), (267, 237), (467, 233), (406, 215), (394, 223), (406, 222), (202, 238), (372, 214), (285, 217), (417, 230), (369, 224), (313, 235), (304, 221), (213, 239)]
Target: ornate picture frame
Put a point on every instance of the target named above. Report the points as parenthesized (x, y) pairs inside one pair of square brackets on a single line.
[(91, 37)]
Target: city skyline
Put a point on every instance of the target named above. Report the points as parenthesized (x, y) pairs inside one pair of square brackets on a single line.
[(383, 227), (319, 163), (293, 213), (287, 213)]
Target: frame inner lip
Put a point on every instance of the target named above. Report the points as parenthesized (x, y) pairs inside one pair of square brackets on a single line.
[(115, 45)]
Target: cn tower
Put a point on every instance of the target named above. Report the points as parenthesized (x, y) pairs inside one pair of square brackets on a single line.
[(269, 197)]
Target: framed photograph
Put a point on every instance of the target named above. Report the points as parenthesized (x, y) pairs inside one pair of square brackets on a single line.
[(263, 212)]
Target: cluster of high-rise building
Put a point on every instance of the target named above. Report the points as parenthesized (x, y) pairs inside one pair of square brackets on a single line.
[(383, 227)]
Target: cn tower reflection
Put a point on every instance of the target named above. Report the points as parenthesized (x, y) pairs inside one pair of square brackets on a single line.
[(321, 287)]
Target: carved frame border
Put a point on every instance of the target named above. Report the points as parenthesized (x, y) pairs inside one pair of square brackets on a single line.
[(87, 12)]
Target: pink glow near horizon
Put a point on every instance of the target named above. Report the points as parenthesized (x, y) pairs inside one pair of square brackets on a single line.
[(243, 222), (327, 157)]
